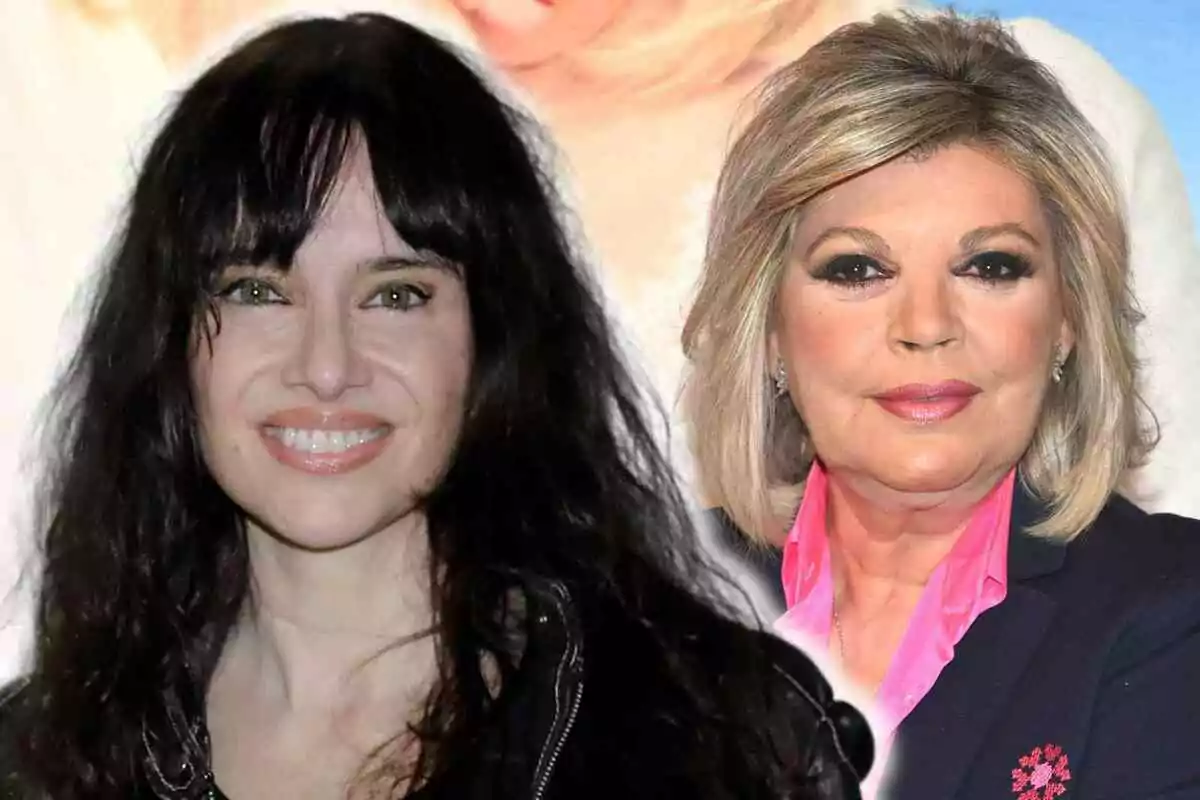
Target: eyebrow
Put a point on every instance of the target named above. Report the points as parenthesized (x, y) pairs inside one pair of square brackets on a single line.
[(416, 260), (873, 242), (876, 246), (976, 238)]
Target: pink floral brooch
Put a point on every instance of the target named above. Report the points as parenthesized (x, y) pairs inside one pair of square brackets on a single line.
[(1042, 774)]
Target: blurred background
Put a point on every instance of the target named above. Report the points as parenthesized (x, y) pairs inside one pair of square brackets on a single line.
[(1151, 42)]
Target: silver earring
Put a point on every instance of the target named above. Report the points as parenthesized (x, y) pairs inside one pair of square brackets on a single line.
[(1056, 369), (781, 383)]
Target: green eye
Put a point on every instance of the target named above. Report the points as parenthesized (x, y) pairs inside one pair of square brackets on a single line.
[(398, 297), (251, 292)]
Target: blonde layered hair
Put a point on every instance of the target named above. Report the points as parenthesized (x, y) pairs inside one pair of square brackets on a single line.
[(901, 85)]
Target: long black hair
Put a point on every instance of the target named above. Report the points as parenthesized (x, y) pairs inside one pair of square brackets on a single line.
[(558, 474)]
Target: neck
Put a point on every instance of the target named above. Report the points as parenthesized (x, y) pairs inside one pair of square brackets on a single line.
[(327, 630), (885, 549)]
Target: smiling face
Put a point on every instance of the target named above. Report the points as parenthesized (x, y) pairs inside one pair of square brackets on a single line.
[(333, 392), (918, 323)]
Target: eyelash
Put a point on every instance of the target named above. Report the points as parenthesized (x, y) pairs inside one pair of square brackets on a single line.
[(231, 292), (420, 296), (1013, 267), (836, 270), (1017, 266)]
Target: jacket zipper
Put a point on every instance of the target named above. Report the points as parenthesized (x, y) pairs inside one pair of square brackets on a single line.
[(539, 790), (570, 663)]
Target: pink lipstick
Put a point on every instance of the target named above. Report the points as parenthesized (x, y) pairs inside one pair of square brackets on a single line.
[(926, 403)]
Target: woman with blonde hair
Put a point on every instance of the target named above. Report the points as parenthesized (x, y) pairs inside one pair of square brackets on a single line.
[(641, 95), (913, 387)]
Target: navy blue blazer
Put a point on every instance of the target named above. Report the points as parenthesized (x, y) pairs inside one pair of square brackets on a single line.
[(1095, 651)]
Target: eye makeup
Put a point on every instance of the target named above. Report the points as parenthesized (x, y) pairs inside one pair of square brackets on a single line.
[(996, 266), (852, 270)]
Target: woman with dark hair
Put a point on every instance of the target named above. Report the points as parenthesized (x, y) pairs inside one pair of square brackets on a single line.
[(352, 495)]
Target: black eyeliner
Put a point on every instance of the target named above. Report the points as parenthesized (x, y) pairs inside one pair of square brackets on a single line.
[(833, 270), (1018, 266)]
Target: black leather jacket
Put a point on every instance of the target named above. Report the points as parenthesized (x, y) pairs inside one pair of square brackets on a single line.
[(585, 720)]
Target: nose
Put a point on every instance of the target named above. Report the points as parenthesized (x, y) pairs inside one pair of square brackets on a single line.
[(925, 315), (327, 361)]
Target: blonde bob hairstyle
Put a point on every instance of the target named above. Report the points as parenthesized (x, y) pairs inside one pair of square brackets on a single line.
[(902, 85)]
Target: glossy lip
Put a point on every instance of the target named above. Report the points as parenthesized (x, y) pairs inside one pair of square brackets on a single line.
[(326, 420), (925, 403)]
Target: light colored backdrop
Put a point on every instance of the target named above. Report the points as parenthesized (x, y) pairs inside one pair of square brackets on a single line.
[(1151, 42)]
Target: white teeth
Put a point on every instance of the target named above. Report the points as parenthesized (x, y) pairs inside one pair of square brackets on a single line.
[(321, 441)]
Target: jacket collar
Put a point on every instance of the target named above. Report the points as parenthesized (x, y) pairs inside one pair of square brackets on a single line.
[(1029, 556)]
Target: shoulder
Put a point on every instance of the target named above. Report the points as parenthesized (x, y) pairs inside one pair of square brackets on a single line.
[(793, 704), (671, 692), (841, 742), (1144, 573), (1159, 549), (1143, 570)]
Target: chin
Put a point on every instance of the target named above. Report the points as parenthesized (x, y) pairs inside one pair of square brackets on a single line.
[(322, 527), (928, 475)]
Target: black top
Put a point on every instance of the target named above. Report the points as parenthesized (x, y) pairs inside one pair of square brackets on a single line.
[(1095, 651), (584, 719)]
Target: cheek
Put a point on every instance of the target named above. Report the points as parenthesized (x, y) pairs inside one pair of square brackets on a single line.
[(829, 347), (509, 15), (522, 32), (427, 366), (1012, 342), (223, 373)]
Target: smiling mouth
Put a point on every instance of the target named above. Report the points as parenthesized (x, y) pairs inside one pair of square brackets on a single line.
[(324, 451), (320, 441)]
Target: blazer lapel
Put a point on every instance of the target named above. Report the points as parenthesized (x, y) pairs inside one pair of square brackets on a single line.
[(937, 742)]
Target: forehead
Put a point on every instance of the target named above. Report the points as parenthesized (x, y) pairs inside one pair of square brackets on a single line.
[(353, 226), (955, 187)]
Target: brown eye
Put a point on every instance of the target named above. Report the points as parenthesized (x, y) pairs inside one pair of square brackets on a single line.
[(851, 270), (997, 267)]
